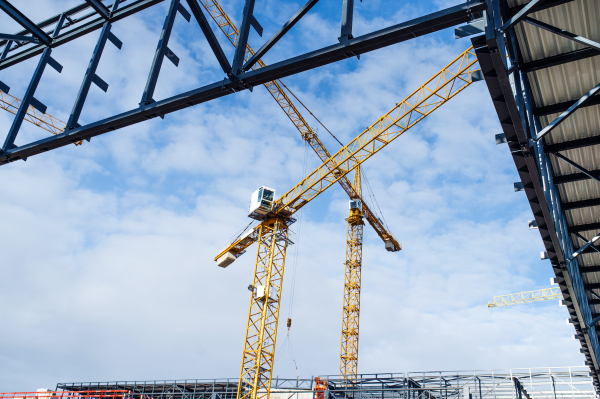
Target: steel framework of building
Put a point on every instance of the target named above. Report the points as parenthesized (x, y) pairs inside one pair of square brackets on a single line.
[(533, 383), (33, 40)]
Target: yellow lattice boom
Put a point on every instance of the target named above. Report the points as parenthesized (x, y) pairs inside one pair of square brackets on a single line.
[(526, 297), (443, 86), (47, 122), (275, 89)]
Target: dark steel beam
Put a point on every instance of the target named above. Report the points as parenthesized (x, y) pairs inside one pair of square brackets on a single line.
[(559, 59), (25, 22), (561, 107), (576, 166), (590, 269), (279, 34), (385, 37), (19, 38), (563, 33), (574, 177), (584, 227), (580, 204), (547, 4), (52, 20), (90, 74), (347, 16), (28, 99), (82, 30), (159, 54), (521, 14), (240, 49), (572, 144), (210, 35), (562, 117), (592, 286), (6, 49), (100, 8)]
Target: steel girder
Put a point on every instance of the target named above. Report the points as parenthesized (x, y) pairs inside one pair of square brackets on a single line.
[(349, 47), (499, 58)]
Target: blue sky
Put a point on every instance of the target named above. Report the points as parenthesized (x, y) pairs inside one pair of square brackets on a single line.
[(108, 270)]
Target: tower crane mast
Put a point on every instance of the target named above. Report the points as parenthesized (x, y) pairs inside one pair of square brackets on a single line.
[(272, 232)]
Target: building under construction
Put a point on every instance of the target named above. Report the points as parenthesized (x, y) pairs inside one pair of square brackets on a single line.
[(540, 62)]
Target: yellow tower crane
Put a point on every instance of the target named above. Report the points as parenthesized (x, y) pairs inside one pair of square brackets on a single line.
[(276, 216), (350, 322)]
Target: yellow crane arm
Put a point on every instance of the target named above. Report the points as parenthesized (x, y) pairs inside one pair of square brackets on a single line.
[(526, 297), (47, 122), (443, 86), (229, 29)]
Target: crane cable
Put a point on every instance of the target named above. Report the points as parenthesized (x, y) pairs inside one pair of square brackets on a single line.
[(313, 115), (372, 196), (287, 341)]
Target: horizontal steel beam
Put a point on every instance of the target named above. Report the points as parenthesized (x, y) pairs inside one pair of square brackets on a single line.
[(573, 177), (561, 107), (580, 204), (82, 30), (590, 269), (584, 227), (369, 42), (592, 286), (559, 59), (572, 144)]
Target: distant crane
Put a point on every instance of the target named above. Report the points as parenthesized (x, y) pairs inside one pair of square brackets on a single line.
[(544, 294), (275, 216)]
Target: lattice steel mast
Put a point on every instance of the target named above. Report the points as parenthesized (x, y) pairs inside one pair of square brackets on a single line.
[(353, 264)]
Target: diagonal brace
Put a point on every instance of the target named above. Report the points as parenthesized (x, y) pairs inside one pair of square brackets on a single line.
[(563, 33), (280, 33), (528, 9), (210, 36), (561, 118), (582, 238), (576, 166), (584, 247), (25, 22)]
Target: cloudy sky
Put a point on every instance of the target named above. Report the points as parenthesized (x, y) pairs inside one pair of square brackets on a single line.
[(107, 248)]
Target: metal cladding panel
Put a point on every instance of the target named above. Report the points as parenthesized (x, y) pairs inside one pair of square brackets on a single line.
[(584, 123)]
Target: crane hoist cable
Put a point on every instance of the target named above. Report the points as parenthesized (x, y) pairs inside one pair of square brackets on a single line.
[(313, 115)]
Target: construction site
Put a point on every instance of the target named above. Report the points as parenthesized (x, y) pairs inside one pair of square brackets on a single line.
[(137, 227)]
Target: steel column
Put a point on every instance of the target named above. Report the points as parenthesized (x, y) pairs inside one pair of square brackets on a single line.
[(347, 16), (161, 51), (240, 46), (28, 98), (90, 74)]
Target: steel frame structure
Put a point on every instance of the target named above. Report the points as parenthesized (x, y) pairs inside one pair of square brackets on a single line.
[(533, 383), (506, 77), (235, 79)]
